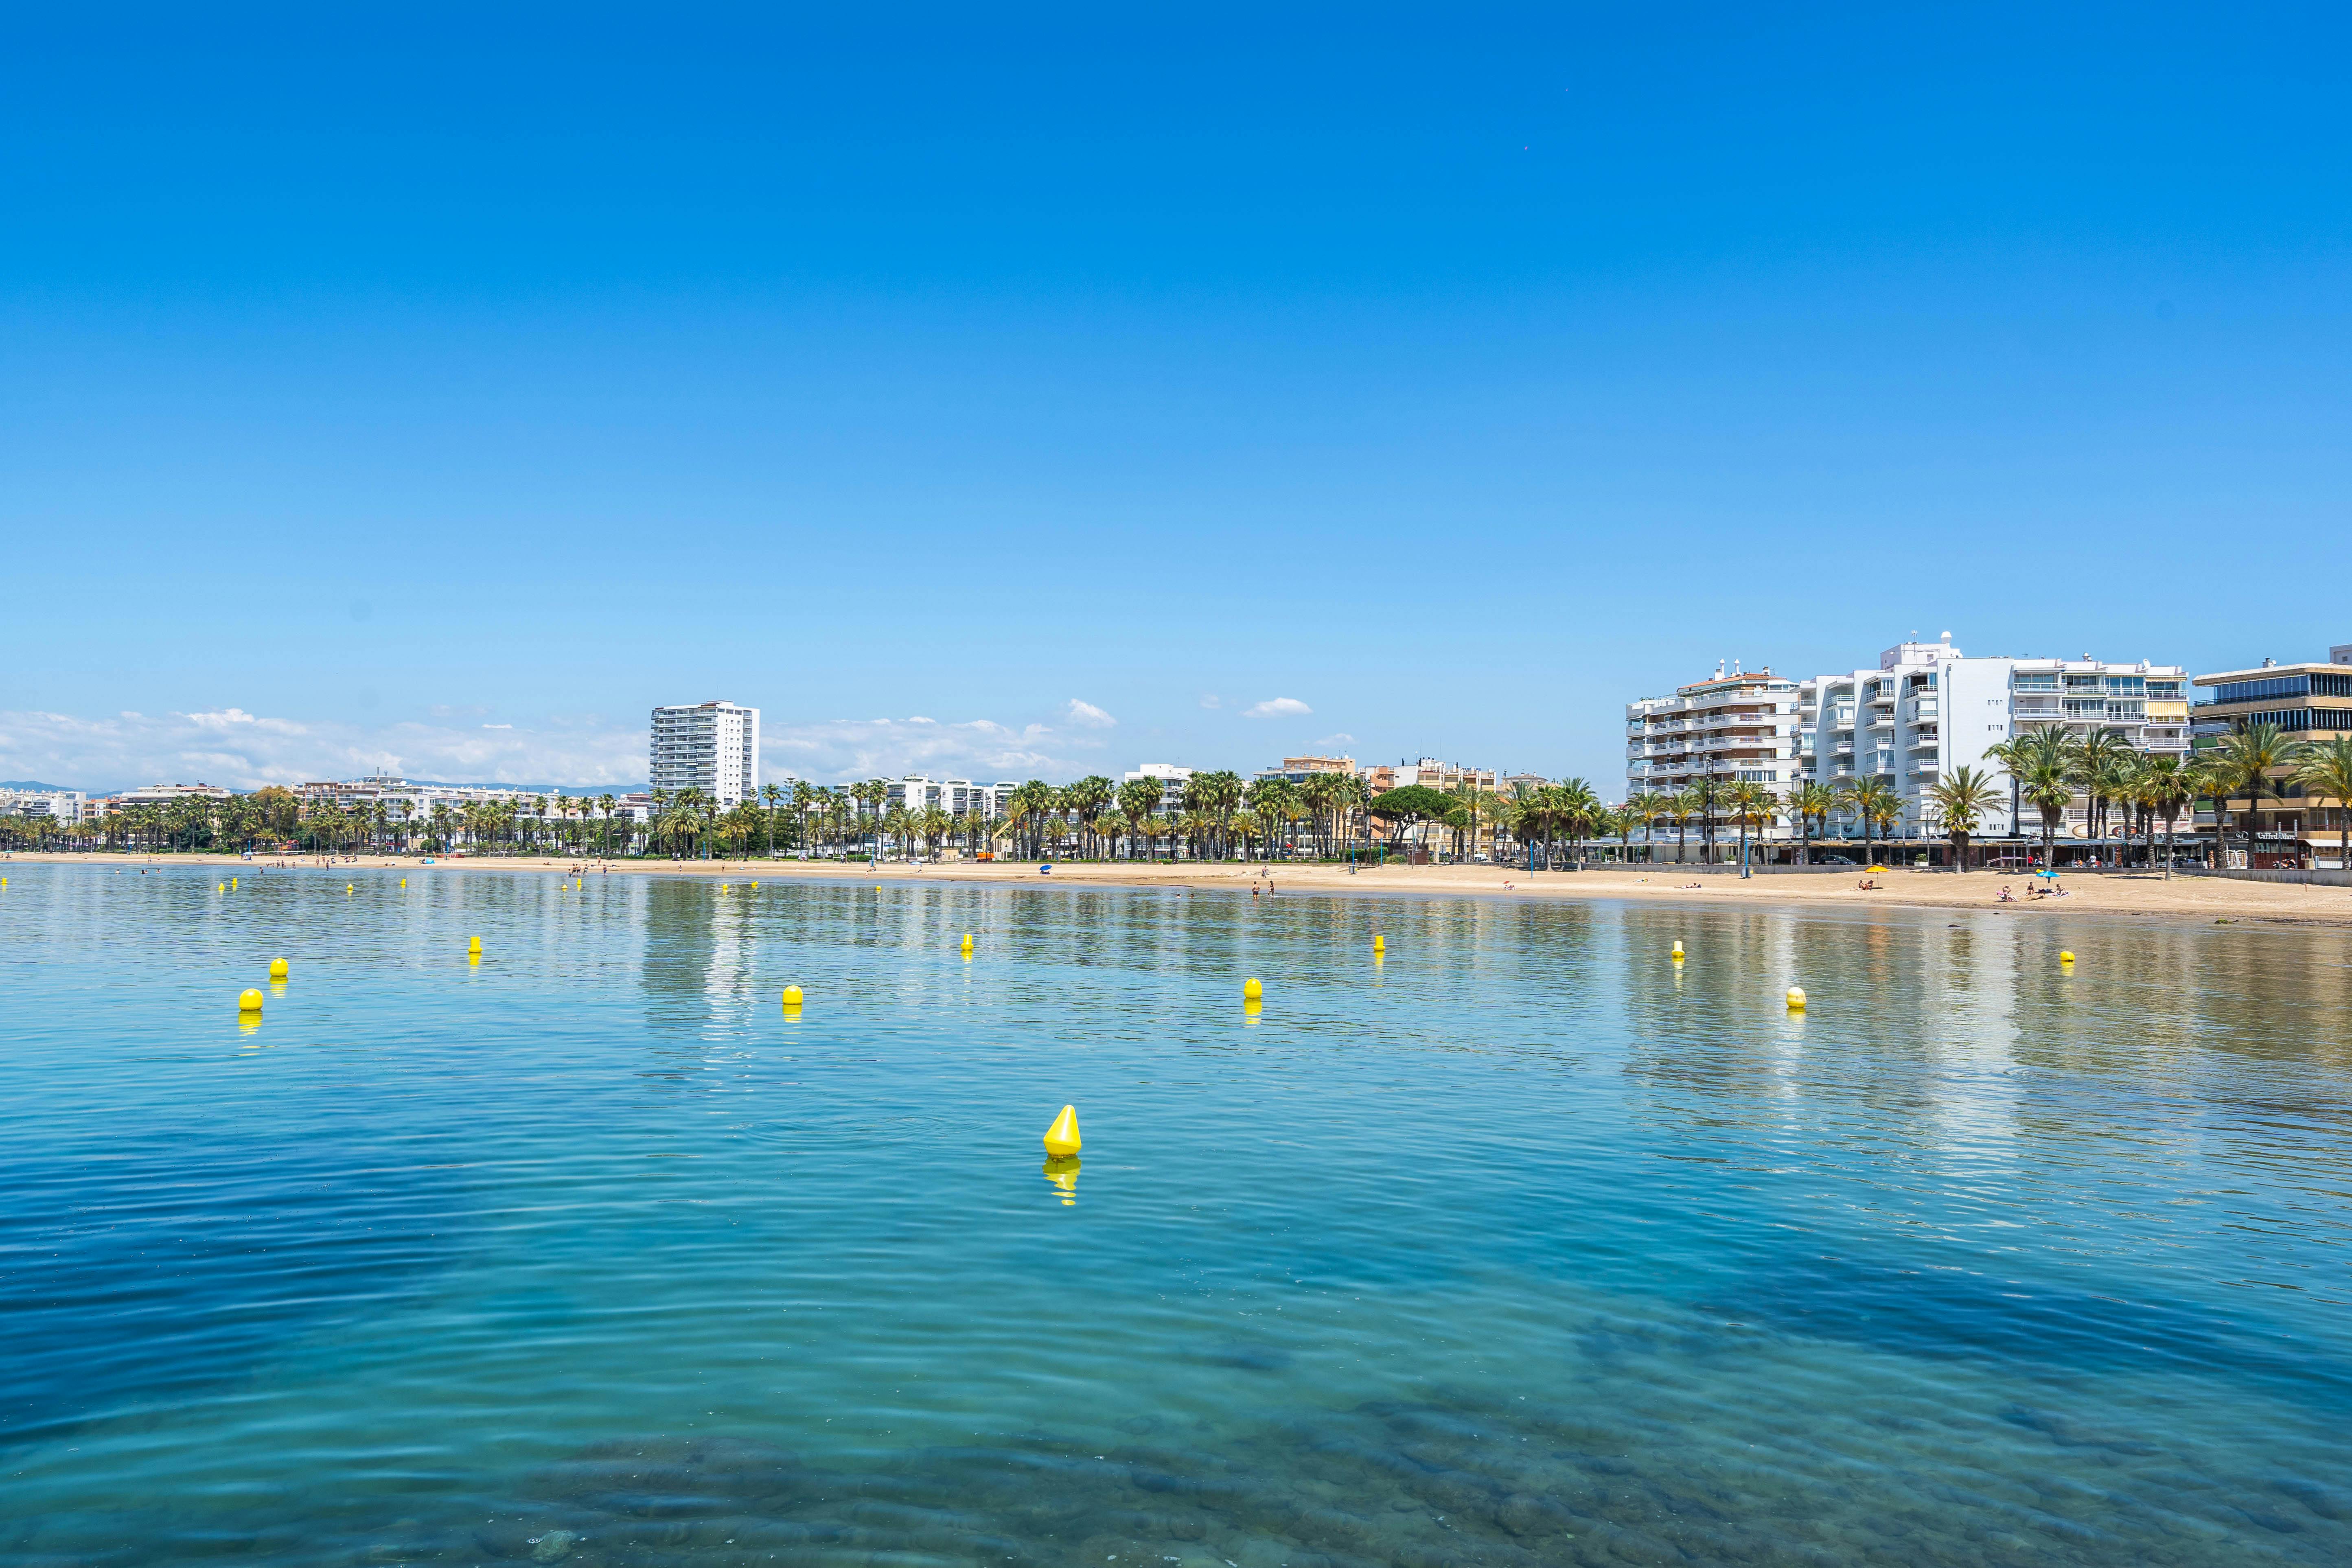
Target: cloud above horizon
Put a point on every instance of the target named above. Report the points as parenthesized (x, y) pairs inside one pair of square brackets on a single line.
[(1277, 708), (240, 750)]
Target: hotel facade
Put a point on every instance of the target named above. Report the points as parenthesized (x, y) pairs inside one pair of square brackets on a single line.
[(2310, 701)]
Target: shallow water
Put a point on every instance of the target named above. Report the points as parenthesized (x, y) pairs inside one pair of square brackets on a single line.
[(1520, 1247)]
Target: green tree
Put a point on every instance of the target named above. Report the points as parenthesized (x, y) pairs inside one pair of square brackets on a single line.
[(2245, 760), (1750, 805), (1809, 803), (2167, 784), (1403, 809), (2325, 773), (1960, 801), (1873, 802)]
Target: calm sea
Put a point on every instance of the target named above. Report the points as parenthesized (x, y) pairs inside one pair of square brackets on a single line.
[(1523, 1245)]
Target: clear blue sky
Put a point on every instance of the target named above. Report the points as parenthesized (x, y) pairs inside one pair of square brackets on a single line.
[(446, 388)]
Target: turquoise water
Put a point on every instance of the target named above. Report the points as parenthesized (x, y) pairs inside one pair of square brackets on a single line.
[(1520, 1247)]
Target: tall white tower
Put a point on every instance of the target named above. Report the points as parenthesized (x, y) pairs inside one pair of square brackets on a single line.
[(710, 746)]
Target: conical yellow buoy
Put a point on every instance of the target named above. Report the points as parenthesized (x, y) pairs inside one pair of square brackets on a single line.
[(1252, 991), (276, 969), (347, 886), (220, 887), (248, 1001), (404, 881), (1062, 1138), (232, 883), (792, 995), (1796, 998)]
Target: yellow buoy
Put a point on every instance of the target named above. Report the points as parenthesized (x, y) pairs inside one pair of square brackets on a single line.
[(967, 941), (248, 1001), (1796, 998), (232, 883), (1679, 950), (404, 881), (755, 886), (474, 947), (1062, 1138), (792, 995), (278, 969), (220, 887), (1252, 991), (347, 886), (1379, 945), (2066, 958)]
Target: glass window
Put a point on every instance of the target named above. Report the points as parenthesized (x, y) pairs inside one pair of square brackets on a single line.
[(2274, 686), (2034, 683)]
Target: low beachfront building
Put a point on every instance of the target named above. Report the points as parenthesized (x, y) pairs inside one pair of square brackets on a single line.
[(2310, 701)]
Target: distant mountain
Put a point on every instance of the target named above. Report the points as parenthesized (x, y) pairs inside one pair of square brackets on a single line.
[(32, 784)]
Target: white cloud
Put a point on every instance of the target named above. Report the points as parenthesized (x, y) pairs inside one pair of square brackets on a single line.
[(246, 750), (1088, 716), (1341, 739), (1279, 708), (1210, 700), (838, 750)]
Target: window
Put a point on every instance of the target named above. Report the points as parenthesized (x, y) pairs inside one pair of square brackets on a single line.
[(2273, 686), (2126, 686), (2034, 683), (2168, 689), (2084, 682)]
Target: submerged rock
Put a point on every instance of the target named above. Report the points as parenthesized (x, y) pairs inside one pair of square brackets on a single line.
[(554, 1546)]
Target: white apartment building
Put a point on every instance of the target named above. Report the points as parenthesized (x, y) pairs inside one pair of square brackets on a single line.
[(1732, 727), (954, 796), (164, 794), (1172, 780), (59, 804), (1926, 711), (713, 747)]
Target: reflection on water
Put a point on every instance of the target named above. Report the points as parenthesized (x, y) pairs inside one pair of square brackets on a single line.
[(1520, 1242)]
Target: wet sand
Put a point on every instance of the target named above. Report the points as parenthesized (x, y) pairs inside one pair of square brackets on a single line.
[(2203, 899)]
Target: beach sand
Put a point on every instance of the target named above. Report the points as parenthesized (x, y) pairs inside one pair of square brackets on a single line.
[(2204, 899)]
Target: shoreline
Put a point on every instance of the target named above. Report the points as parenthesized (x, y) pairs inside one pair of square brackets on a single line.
[(2203, 901)]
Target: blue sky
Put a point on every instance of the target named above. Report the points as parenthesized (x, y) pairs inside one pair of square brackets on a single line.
[(1045, 393)]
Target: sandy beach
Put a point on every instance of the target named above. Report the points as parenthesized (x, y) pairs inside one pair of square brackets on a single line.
[(2203, 900)]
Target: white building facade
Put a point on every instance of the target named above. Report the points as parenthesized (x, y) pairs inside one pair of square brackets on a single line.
[(1731, 728), (1172, 780), (1926, 711), (58, 805), (713, 747)]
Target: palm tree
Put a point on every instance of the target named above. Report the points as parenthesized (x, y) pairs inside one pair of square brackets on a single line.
[(1137, 799), (772, 793), (1961, 800), (2242, 760), (2324, 772), (1706, 795), (2097, 755), (2043, 763), (2167, 784), (1682, 806), (1750, 804), (1643, 810), (1874, 803), (1811, 804)]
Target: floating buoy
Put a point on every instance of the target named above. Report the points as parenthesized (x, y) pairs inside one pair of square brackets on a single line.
[(220, 887), (2066, 958), (1062, 1138), (232, 883), (967, 941), (792, 995), (278, 969), (248, 1001), (1796, 998), (404, 881), (1252, 991), (347, 886), (1679, 950), (1379, 945)]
